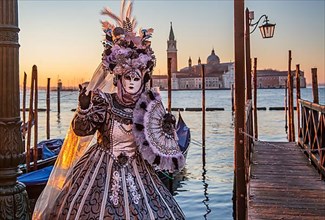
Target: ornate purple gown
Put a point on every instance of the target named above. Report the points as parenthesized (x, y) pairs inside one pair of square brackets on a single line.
[(112, 180)]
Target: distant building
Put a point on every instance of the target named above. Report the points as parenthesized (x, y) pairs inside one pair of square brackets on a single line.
[(217, 75), (190, 77), (277, 79)]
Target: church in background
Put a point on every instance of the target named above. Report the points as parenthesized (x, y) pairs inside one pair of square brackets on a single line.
[(217, 75)]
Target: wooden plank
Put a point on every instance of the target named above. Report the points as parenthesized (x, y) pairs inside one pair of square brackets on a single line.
[(283, 184)]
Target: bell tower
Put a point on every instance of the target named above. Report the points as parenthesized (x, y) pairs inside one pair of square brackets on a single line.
[(172, 50)]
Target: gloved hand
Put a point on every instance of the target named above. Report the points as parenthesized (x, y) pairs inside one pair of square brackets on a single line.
[(84, 100), (169, 122)]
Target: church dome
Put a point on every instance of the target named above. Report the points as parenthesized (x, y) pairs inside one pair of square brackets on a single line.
[(213, 58)]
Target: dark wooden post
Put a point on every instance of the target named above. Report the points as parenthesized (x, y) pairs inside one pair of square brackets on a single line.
[(35, 152), (151, 83), (24, 106), (232, 98), (59, 94), (169, 106), (248, 57), (169, 84), (290, 91), (13, 196), (314, 122), (298, 97), (48, 90), (30, 122), (239, 153), (286, 107), (315, 85), (203, 114), (255, 99)]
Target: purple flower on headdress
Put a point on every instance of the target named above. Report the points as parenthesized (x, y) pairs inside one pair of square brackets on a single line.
[(144, 58), (118, 70), (120, 53)]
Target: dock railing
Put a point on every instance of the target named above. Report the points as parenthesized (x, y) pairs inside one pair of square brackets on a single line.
[(311, 135)]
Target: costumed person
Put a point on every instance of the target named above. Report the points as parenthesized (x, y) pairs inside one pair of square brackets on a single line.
[(116, 141)]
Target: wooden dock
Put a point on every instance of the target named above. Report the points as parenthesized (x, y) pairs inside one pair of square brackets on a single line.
[(284, 184)]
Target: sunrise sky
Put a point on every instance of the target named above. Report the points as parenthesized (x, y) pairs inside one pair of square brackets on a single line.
[(63, 38)]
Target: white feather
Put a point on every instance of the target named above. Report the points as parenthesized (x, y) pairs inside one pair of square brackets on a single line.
[(122, 10), (129, 10), (108, 12)]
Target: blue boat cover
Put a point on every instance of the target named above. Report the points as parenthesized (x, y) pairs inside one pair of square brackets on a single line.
[(47, 153), (36, 177), (183, 133), (50, 147)]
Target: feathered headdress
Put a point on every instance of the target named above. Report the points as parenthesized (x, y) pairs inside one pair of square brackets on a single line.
[(125, 49)]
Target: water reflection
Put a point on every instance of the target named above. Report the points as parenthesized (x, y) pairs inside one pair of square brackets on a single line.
[(205, 192), (178, 182), (58, 119), (59, 125)]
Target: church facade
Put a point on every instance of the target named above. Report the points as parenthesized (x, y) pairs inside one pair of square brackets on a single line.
[(217, 75)]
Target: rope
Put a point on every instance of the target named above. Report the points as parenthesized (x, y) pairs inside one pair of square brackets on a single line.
[(72, 93), (55, 97), (277, 146), (195, 142)]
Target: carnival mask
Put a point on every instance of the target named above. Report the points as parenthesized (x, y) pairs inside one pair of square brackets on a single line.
[(132, 81)]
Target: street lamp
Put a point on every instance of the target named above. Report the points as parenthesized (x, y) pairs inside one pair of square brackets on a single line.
[(267, 29)]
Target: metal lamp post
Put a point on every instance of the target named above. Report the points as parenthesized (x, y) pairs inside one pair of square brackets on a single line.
[(267, 31)]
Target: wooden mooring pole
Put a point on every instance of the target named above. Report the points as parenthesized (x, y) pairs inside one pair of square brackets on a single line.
[(203, 114), (315, 85), (248, 57), (24, 107), (35, 152), (48, 90), (232, 98), (31, 117), (169, 107), (59, 94), (255, 98), (286, 107), (298, 97), (314, 122), (290, 91), (239, 153), (169, 84)]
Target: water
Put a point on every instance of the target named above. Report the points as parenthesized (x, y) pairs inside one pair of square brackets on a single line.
[(202, 192)]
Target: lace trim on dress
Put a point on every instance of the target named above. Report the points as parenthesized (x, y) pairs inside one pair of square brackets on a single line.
[(133, 189), (115, 188)]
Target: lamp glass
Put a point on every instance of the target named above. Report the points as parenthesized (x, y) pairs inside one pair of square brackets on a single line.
[(267, 30)]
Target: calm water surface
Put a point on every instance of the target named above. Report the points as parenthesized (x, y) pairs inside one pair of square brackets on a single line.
[(203, 192)]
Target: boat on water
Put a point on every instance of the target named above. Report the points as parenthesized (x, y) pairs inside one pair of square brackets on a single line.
[(48, 151)]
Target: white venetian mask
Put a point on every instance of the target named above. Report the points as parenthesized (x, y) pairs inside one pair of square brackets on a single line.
[(132, 81)]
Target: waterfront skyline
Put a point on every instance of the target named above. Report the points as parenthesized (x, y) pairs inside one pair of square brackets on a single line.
[(63, 38)]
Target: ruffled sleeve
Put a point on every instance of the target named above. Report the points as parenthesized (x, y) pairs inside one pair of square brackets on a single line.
[(155, 134), (87, 121)]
